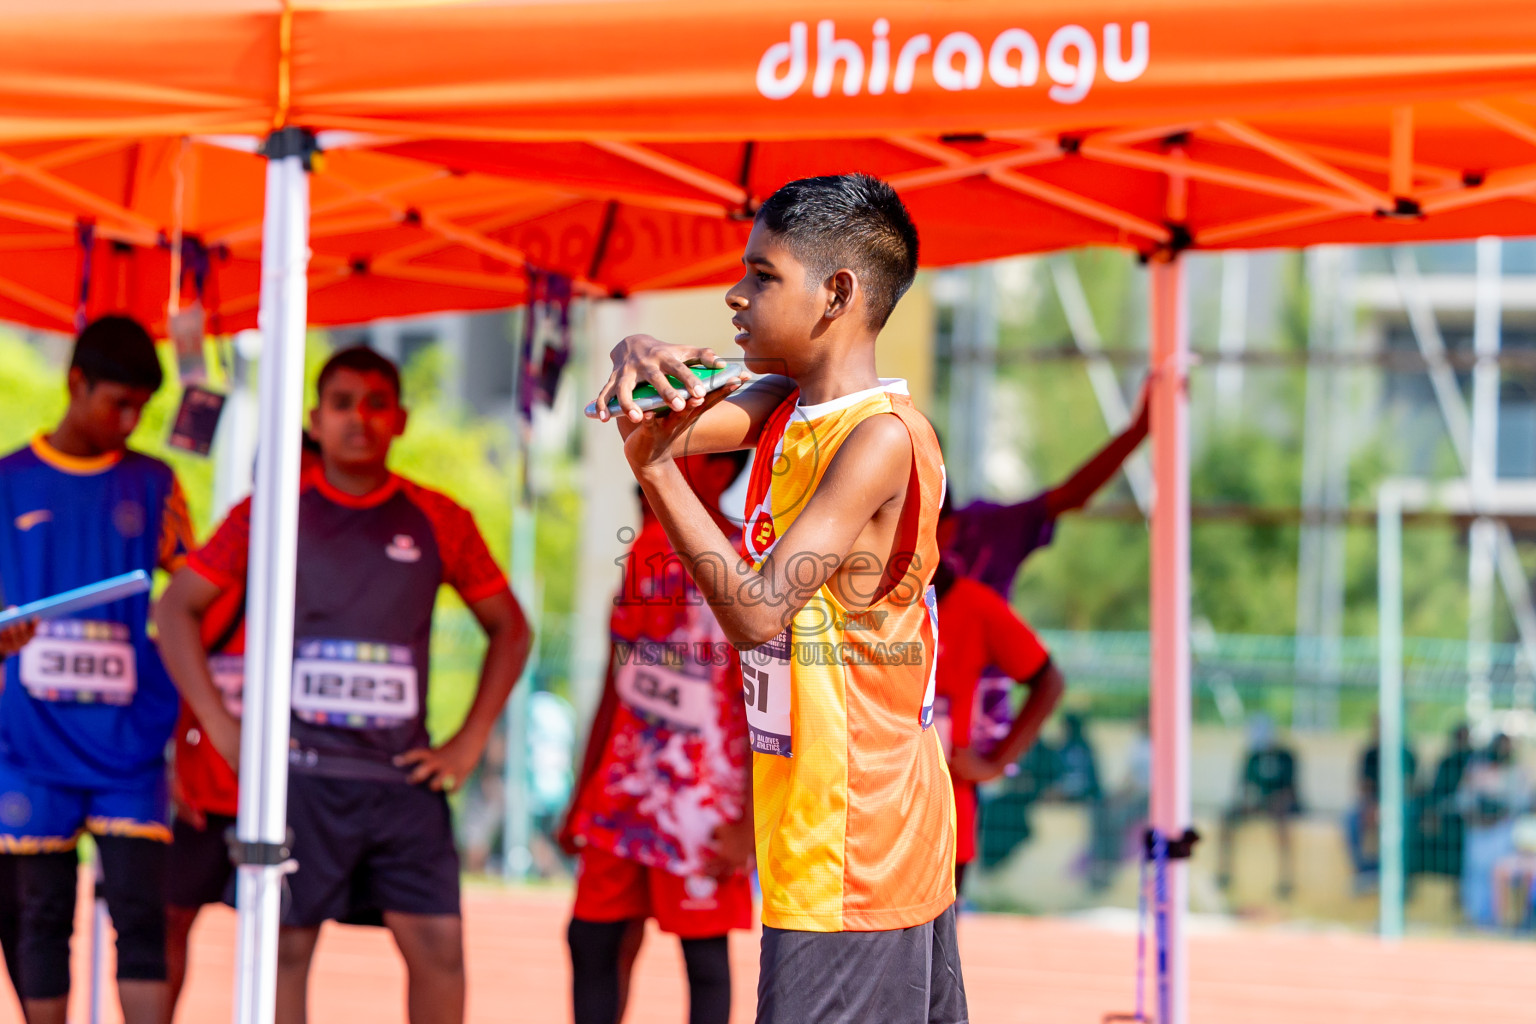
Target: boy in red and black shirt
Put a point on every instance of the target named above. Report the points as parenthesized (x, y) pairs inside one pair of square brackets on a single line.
[(366, 790)]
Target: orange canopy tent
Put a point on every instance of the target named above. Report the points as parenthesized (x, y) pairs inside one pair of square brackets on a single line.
[(1160, 125), (104, 225), (1293, 121)]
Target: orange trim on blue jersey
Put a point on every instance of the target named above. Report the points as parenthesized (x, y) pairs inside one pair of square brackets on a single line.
[(176, 537), (129, 827), (29, 845), (77, 465)]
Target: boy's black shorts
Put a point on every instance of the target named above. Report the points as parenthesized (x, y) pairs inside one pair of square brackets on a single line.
[(386, 846), (199, 871)]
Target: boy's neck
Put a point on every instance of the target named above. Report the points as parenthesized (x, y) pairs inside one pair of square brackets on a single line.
[(357, 481), (840, 374), (70, 440)]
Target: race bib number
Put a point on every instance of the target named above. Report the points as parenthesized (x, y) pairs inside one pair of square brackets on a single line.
[(228, 671), (925, 717), (71, 660), (765, 687), (662, 692), (354, 685)]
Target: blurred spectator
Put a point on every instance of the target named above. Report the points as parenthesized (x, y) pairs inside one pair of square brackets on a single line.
[(1267, 790), (1003, 809), (1493, 794), (1077, 770), (1119, 817), (1363, 826), (1437, 828)]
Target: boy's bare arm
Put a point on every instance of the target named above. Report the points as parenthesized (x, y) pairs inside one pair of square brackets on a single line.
[(178, 622), (16, 636), (870, 469), (447, 767), (1074, 492)]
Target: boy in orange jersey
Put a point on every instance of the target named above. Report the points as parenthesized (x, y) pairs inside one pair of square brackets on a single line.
[(831, 608)]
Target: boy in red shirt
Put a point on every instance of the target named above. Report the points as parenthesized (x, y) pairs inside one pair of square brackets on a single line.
[(978, 630), (661, 814)]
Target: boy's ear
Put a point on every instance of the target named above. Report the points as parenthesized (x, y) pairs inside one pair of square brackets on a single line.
[(401, 415), (844, 290), (314, 419), (76, 383)]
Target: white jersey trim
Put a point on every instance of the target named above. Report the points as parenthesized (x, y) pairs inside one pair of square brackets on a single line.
[(888, 385)]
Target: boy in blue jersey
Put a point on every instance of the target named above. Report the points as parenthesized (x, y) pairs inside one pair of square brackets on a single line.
[(87, 706)]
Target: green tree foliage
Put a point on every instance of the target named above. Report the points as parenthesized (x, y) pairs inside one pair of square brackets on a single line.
[(1244, 573)]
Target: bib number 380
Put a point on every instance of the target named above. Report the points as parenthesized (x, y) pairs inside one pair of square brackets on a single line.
[(82, 662), (765, 688)]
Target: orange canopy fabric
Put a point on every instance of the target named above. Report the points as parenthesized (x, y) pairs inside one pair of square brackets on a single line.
[(91, 226), (691, 69), (626, 144)]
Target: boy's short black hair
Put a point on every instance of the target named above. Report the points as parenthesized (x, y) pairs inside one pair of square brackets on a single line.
[(359, 359), (848, 220), (118, 350)]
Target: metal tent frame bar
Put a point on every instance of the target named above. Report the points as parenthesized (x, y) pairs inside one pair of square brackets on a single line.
[(1395, 497)]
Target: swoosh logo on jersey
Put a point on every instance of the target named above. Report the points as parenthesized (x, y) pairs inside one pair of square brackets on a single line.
[(37, 517)]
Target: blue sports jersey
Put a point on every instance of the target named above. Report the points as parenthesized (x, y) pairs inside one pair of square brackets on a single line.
[(88, 703)]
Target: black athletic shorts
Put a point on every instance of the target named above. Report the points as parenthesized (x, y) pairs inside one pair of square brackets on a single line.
[(199, 871), (386, 846), (906, 976)]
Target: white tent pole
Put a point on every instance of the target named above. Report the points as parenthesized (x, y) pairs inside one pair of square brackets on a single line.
[(1389, 569), (1170, 712), (261, 829)]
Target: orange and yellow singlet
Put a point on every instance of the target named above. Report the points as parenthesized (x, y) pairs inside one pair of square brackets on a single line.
[(852, 798)]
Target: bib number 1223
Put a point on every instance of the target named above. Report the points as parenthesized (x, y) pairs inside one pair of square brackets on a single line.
[(354, 685)]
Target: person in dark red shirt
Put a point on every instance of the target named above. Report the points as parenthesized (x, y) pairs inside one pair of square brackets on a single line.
[(987, 543), (978, 631), (661, 816), (366, 789)]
